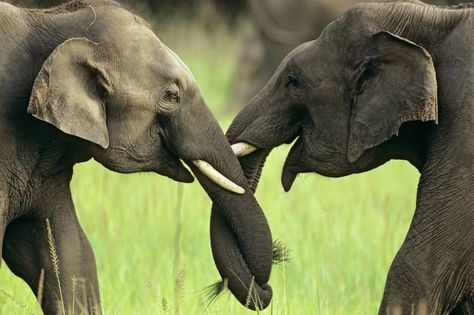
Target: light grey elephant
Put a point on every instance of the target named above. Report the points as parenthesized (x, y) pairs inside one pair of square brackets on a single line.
[(89, 79)]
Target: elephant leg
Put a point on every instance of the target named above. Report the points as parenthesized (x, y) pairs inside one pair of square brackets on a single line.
[(63, 272), (423, 282), (405, 290)]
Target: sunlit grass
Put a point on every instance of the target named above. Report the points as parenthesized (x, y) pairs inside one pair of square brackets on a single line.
[(342, 233)]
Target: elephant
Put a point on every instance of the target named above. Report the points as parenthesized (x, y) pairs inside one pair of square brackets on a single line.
[(279, 27), (89, 79), (385, 80)]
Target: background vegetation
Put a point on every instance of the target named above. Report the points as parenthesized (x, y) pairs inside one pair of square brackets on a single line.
[(151, 235)]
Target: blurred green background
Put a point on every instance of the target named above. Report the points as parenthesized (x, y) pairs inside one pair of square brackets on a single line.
[(150, 235)]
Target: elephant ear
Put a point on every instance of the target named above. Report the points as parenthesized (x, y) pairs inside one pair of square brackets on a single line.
[(70, 89), (394, 83)]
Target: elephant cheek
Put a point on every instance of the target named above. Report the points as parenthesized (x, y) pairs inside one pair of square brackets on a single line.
[(308, 157), (172, 167)]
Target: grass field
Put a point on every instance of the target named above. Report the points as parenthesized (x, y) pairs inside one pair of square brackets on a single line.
[(154, 257)]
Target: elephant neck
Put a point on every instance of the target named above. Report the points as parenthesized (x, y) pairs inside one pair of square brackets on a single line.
[(34, 167), (447, 179), (444, 200)]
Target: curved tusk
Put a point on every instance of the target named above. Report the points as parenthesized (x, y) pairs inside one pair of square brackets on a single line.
[(217, 177), (242, 149)]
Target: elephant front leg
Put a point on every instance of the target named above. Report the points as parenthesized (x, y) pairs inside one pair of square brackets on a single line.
[(405, 290), (55, 259), (432, 278)]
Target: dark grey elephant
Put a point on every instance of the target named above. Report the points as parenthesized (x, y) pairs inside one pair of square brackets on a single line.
[(87, 80), (391, 80)]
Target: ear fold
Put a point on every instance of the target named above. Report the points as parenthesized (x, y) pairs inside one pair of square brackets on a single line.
[(69, 91), (394, 84)]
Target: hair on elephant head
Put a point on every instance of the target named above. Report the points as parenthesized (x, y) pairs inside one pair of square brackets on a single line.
[(104, 86), (389, 80)]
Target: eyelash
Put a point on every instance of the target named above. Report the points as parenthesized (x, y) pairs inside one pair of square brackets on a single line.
[(171, 96), (292, 81)]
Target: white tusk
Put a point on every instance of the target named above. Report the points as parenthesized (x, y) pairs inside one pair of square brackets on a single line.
[(242, 149), (217, 177)]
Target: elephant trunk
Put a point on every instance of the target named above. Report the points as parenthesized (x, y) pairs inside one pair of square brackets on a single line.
[(252, 164), (260, 127), (241, 241), (240, 235), (245, 286), (247, 283)]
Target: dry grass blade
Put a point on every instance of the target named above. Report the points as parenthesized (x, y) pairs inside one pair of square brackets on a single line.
[(17, 302), (53, 254), (252, 296), (164, 305), (180, 282), (214, 291), (249, 295), (39, 294), (74, 286), (281, 253), (179, 274)]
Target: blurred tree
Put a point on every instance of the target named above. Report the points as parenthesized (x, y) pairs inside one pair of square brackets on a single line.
[(230, 9), (35, 3), (279, 27)]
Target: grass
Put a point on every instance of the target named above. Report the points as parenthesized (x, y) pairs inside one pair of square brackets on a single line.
[(153, 253)]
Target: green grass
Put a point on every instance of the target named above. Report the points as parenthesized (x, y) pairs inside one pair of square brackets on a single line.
[(343, 233)]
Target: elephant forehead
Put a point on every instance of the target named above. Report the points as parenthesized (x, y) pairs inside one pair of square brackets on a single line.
[(154, 57), (178, 67), (141, 51)]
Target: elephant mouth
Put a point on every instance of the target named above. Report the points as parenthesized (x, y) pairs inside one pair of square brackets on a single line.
[(172, 166), (252, 158), (294, 164), (252, 164)]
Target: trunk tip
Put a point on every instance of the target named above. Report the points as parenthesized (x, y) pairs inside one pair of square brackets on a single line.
[(258, 297)]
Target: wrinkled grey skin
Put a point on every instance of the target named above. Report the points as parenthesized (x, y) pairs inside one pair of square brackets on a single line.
[(279, 27), (91, 80), (385, 81)]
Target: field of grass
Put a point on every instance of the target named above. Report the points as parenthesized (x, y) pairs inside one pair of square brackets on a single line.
[(154, 257)]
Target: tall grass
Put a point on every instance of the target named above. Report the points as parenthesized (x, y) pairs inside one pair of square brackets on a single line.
[(342, 233)]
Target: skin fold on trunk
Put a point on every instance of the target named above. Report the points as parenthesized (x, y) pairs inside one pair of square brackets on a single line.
[(241, 243), (241, 239), (229, 253), (252, 163), (247, 284)]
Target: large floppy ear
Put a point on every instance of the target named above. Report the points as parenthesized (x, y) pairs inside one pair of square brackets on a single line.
[(394, 83), (70, 89)]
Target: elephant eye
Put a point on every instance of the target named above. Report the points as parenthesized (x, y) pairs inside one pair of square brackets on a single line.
[(292, 82), (171, 96)]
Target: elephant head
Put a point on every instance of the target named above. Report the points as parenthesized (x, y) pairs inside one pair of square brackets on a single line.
[(353, 98), (129, 102)]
